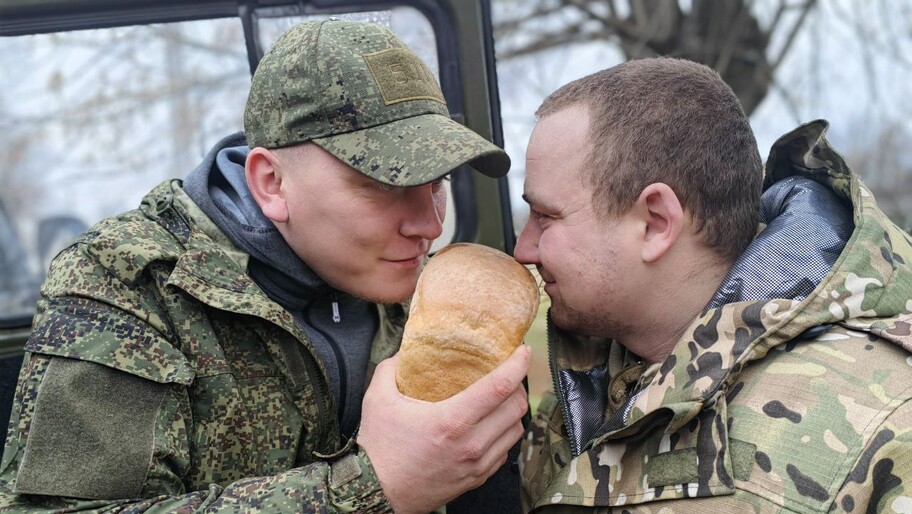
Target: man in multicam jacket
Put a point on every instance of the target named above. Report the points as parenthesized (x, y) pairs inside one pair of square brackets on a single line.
[(698, 368), (211, 349)]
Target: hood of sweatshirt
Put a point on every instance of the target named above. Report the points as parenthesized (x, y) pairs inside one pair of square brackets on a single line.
[(340, 326)]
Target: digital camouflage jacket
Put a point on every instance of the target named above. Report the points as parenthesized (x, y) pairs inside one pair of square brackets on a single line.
[(160, 378), (764, 406)]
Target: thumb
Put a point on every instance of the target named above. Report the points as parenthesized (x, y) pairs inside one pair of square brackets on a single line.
[(385, 373), (491, 390)]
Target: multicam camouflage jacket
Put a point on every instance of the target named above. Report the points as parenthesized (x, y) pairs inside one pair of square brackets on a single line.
[(160, 378), (764, 406)]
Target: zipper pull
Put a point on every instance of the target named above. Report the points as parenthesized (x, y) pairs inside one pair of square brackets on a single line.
[(336, 317)]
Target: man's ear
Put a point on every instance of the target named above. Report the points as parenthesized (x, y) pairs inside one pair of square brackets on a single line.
[(265, 183), (663, 218)]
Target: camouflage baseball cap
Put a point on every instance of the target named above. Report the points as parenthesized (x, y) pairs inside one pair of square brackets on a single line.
[(357, 91)]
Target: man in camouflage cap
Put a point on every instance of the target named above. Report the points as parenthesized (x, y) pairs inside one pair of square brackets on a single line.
[(220, 347), (705, 358)]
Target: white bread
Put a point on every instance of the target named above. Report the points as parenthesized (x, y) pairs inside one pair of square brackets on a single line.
[(471, 308)]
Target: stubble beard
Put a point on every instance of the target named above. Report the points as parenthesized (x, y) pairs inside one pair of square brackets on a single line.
[(390, 298), (593, 323)]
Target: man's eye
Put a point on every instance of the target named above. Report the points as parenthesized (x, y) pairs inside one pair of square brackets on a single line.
[(441, 180)]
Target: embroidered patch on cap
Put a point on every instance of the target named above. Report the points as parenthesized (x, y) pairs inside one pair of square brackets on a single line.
[(401, 76)]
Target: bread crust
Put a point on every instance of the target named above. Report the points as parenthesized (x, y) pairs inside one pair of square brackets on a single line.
[(471, 308)]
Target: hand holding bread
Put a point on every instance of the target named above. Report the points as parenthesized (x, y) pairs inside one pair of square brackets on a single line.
[(471, 308)]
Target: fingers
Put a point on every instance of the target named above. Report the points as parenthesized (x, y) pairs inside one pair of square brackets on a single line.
[(458, 443), (496, 455), (387, 367), (508, 413), (384, 377), (489, 392), (504, 444)]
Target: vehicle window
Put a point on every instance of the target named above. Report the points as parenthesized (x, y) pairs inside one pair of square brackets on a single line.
[(93, 119), (16, 283)]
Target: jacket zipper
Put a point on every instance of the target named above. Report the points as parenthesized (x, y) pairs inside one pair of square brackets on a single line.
[(575, 447), (558, 389), (343, 372), (319, 382), (322, 385), (335, 307)]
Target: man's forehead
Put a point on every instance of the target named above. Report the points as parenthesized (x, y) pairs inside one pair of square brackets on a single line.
[(539, 200)]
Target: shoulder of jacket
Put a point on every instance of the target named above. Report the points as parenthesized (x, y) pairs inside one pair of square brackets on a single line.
[(125, 245), (841, 360), (811, 409)]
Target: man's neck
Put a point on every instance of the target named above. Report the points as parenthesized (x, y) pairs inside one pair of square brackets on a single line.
[(671, 307)]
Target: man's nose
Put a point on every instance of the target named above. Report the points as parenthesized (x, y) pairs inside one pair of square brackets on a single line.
[(526, 250), (424, 216)]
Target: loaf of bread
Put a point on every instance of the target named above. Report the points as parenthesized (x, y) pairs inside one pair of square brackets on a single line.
[(471, 309)]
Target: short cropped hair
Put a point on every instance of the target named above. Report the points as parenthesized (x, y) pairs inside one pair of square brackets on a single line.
[(677, 122)]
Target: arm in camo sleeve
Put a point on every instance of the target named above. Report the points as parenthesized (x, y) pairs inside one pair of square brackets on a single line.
[(881, 480), (347, 484), (159, 378)]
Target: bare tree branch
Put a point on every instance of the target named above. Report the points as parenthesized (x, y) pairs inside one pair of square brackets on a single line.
[(725, 35), (783, 7), (663, 16), (179, 37), (583, 6), (790, 104), (728, 48), (541, 11), (574, 34), (805, 9)]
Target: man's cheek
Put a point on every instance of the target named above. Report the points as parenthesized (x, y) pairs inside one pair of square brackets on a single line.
[(440, 204)]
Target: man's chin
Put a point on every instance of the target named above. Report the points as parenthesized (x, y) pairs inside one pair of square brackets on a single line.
[(387, 296), (565, 319), (587, 324)]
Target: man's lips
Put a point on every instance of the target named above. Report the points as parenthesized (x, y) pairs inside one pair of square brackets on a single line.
[(406, 251), (418, 257), (545, 276), (408, 259)]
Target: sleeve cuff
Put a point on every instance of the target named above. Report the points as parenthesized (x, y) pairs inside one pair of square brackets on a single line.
[(354, 486)]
